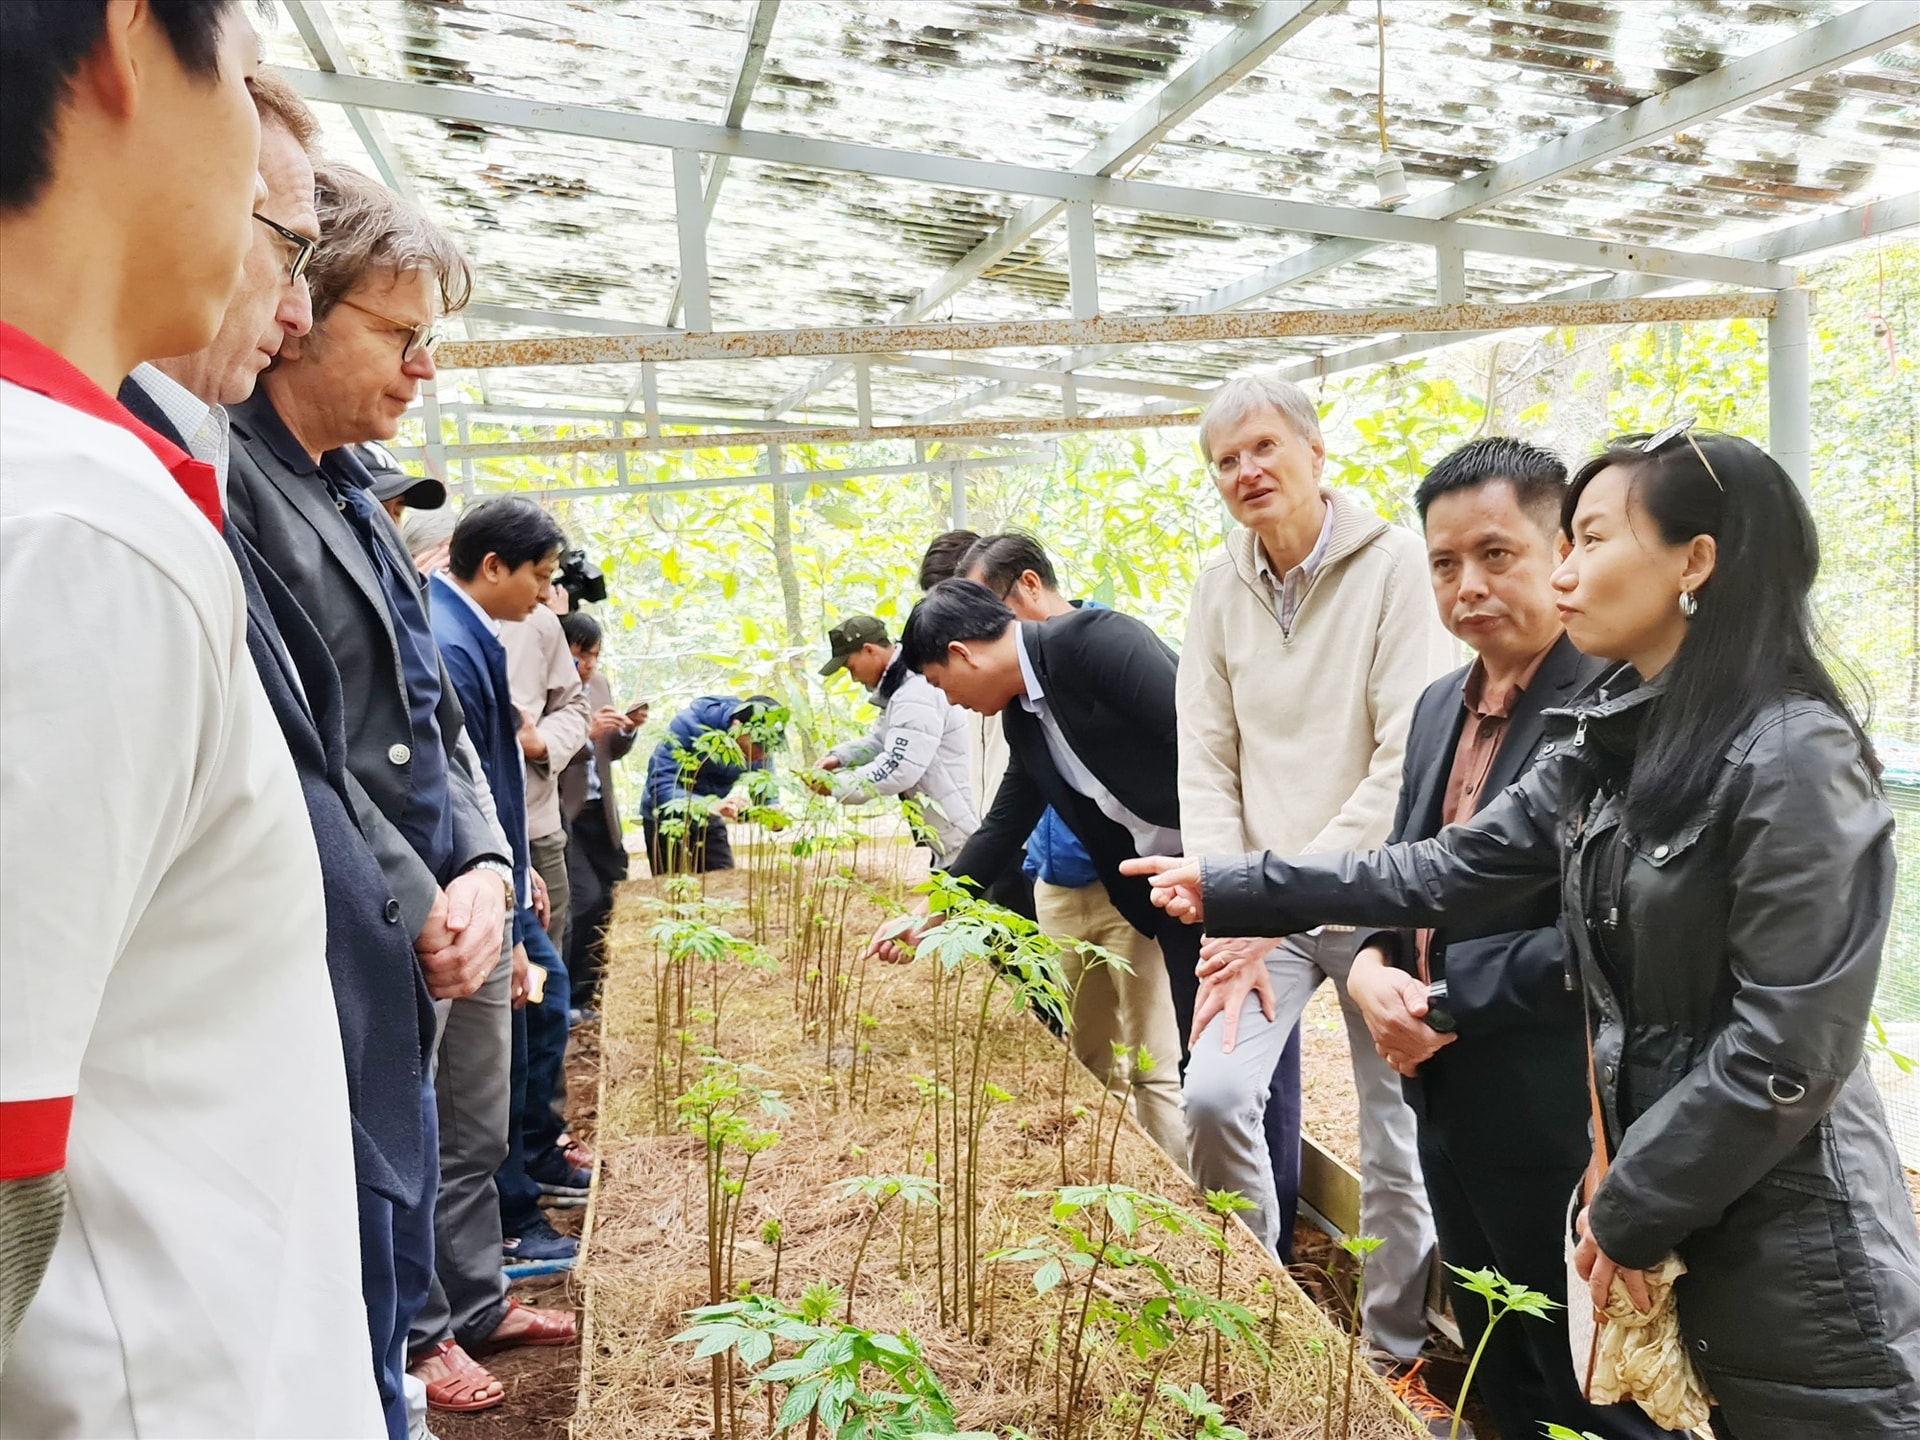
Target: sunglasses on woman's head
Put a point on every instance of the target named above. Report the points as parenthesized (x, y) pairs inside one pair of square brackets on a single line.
[(1681, 429)]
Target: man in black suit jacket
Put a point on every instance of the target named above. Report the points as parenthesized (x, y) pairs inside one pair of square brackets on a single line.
[(379, 282), (1086, 703), (1483, 1023)]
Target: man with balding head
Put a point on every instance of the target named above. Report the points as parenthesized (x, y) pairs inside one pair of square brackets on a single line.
[(386, 1016)]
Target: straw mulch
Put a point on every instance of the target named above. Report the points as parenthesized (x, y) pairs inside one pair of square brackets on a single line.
[(646, 1264)]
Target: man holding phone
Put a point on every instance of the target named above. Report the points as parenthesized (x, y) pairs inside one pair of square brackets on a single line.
[(596, 847)]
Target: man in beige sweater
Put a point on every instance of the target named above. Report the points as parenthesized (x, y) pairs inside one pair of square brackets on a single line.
[(1309, 640)]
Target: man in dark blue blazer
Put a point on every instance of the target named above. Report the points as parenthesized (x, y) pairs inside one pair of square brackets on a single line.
[(500, 566), (1484, 1023)]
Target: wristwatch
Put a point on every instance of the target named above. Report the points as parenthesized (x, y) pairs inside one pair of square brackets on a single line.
[(1439, 1018), (505, 872)]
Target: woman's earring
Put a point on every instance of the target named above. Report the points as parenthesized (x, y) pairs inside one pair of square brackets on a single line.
[(1689, 606)]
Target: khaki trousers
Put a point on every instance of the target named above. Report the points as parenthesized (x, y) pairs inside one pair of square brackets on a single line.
[(1113, 1008)]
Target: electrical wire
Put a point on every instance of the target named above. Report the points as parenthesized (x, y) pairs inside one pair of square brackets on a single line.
[(1380, 99)]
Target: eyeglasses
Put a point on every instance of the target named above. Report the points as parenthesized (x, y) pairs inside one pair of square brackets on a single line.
[(1227, 467), (424, 337), (1660, 439), (304, 246)]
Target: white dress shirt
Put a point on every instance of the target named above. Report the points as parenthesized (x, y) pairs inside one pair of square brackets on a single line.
[(204, 426), (1148, 838)]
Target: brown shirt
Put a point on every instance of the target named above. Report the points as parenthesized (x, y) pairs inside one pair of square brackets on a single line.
[(1481, 730)]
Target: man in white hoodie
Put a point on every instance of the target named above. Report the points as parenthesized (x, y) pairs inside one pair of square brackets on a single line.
[(1310, 638), (917, 749)]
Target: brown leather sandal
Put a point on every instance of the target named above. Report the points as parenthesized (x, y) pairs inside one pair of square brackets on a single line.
[(543, 1327), (459, 1391)]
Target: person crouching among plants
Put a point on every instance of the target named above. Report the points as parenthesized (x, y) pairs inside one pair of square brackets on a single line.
[(1711, 813), (710, 744), (917, 749)]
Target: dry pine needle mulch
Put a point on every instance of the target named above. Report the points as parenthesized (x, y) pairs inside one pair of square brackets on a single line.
[(646, 1262)]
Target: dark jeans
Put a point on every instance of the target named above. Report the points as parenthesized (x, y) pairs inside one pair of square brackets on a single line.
[(704, 847), (1510, 1218), (1282, 1124), (596, 862), (534, 1085), (396, 1270)]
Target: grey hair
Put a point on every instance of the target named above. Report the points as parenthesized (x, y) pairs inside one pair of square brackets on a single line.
[(365, 227), (424, 529), (1251, 391)]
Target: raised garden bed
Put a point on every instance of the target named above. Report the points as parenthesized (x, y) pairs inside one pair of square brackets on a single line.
[(948, 1237)]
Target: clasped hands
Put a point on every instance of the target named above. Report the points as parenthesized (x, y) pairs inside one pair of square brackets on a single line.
[(460, 943)]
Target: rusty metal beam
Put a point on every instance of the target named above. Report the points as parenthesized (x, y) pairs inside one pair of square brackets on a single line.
[(788, 478), (1106, 329), (820, 435)]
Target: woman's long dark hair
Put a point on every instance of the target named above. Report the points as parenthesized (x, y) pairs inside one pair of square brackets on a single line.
[(1752, 641)]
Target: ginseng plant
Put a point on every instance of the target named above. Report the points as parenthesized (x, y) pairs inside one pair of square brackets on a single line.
[(825, 1376), (1094, 1230), (680, 942), (1503, 1297), (978, 951), (880, 1191), (714, 1110)]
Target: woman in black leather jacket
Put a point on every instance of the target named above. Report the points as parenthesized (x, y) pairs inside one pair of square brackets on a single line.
[(1711, 813)]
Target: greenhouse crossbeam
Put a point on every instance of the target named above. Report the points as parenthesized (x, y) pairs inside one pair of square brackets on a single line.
[(1104, 329)]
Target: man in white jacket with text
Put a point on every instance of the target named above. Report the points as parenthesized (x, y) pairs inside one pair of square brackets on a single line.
[(917, 749)]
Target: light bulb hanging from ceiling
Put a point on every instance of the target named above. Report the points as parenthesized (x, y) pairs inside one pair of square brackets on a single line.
[(1389, 175)]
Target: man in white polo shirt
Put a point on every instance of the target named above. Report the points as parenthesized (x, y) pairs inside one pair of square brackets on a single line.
[(168, 1042)]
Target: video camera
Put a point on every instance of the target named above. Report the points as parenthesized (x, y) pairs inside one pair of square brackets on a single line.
[(580, 578)]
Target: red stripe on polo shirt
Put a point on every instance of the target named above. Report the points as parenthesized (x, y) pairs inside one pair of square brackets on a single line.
[(33, 1137), (25, 362)]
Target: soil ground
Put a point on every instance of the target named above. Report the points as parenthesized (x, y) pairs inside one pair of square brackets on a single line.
[(542, 1385)]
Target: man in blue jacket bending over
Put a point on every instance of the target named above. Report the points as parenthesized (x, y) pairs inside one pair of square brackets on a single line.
[(710, 744)]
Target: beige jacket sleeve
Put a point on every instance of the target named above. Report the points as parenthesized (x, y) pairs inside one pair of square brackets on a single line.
[(1411, 650), (1210, 794), (547, 690)]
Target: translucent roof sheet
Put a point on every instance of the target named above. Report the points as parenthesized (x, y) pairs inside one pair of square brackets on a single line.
[(586, 227)]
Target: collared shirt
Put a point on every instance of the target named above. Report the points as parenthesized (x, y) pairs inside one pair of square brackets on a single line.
[(162, 921), (1148, 838), (453, 584), (1289, 590), (204, 426), (1482, 729)]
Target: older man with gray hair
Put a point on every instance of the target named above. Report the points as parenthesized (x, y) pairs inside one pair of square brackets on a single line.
[(1309, 640), (381, 281)]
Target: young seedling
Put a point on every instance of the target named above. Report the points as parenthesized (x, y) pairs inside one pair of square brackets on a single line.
[(1208, 1420), (773, 1233), (1503, 1297), (880, 1191), (1225, 1204), (1360, 1247)]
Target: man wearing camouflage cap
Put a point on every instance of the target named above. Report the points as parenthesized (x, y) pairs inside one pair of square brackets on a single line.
[(917, 749)]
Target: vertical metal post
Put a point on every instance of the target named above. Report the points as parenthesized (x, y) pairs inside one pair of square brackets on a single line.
[(466, 463), (650, 397), (1083, 260), (620, 456), (436, 445), (863, 389), (1790, 388), (956, 496), (690, 220), (1449, 274), (1069, 398)]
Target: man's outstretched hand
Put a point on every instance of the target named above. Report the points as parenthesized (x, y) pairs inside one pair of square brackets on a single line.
[(897, 939), (1175, 882)]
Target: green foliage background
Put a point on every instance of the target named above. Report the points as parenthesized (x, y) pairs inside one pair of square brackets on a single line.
[(699, 604)]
